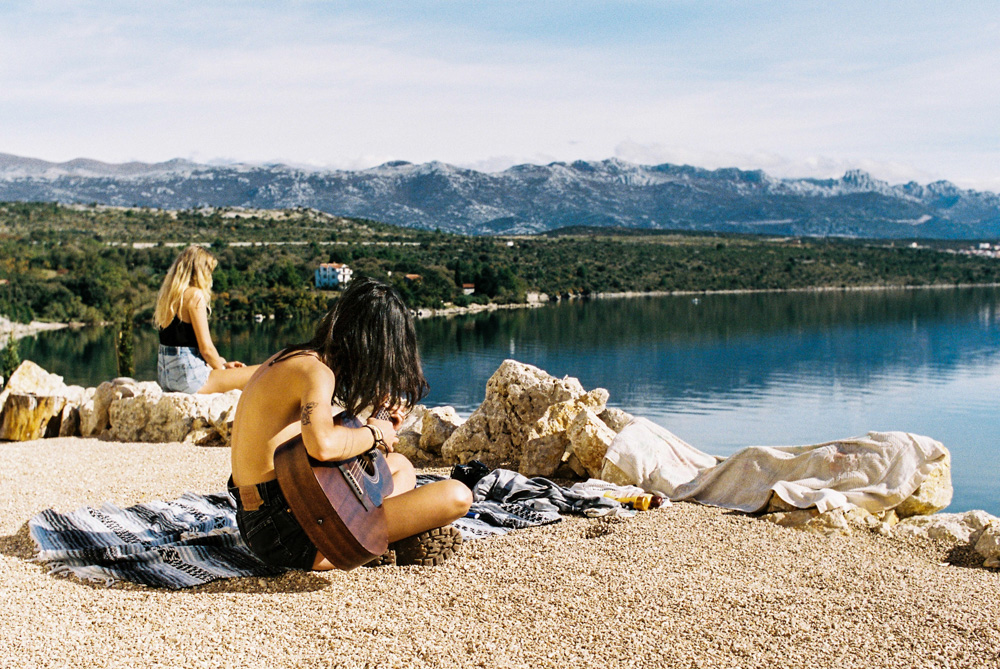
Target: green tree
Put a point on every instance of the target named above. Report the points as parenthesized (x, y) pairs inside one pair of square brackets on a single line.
[(125, 343), (10, 359)]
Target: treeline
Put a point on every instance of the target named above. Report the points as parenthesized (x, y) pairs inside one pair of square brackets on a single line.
[(65, 264)]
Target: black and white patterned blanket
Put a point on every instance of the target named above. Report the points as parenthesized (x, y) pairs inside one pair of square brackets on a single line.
[(194, 540), (177, 544)]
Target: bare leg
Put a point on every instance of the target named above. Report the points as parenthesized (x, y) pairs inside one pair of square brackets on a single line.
[(429, 506), (404, 476), (223, 380), (410, 511)]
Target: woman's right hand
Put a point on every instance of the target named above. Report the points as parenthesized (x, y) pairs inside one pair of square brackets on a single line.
[(233, 363)]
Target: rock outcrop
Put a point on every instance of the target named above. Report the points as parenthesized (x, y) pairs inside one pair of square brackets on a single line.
[(934, 493), (517, 396), (36, 404), (149, 414), (437, 425), (537, 424)]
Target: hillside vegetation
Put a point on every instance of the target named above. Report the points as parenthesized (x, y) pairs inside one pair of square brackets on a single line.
[(84, 263)]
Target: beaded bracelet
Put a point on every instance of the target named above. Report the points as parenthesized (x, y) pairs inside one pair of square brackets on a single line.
[(377, 436)]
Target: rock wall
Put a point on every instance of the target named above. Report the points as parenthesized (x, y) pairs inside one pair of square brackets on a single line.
[(37, 404)]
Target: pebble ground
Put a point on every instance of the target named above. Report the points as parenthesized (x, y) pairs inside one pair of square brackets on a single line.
[(685, 586)]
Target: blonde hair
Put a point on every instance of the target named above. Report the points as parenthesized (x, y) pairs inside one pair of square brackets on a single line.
[(191, 269)]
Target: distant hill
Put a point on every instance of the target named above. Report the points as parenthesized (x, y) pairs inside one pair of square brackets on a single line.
[(530, 198)]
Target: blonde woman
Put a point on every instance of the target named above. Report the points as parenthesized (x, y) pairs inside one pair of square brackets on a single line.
[(188, 361)]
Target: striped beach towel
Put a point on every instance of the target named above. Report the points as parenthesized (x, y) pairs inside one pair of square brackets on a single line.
[(177, 544), (194, 539)]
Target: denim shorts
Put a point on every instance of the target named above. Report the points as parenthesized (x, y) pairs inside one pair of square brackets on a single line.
[(181, 369), (270, 530)]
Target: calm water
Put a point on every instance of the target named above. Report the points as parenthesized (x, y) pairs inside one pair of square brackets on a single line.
[(722, 372)]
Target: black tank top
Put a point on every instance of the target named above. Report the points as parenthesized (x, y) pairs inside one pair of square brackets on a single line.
[(178, 333)]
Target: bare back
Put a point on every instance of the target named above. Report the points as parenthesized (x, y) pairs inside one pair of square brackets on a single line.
[(270, 412)]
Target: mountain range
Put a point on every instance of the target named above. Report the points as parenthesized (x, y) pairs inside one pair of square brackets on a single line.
[(529, 198)]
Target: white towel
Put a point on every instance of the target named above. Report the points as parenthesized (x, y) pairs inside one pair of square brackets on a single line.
[(875, 472)]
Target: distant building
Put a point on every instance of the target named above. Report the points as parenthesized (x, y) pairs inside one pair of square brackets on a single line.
[(468, 288), (333, 275), (984, 246), (412, 277)]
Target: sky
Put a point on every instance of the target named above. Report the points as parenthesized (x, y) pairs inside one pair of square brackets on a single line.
[(906, 90)]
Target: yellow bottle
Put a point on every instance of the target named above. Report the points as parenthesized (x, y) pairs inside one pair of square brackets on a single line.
[(642, 502)]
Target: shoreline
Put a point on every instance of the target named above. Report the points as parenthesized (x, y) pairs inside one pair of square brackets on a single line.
[(21, 330), (540, 302), (9, 328)]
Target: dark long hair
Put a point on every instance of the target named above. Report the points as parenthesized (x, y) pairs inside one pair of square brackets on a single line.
[(369, 342)]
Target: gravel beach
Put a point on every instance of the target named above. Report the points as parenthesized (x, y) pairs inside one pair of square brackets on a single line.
[(684, 586)]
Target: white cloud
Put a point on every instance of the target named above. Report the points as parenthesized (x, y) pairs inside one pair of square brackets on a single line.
[(795, 90)]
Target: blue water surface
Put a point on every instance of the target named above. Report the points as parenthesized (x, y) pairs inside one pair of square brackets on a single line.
[(720, 371)]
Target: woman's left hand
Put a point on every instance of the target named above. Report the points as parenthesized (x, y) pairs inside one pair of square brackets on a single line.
[(234, 363)]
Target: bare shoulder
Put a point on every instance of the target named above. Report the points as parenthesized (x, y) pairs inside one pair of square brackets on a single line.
[(194, 296), (301, 369)]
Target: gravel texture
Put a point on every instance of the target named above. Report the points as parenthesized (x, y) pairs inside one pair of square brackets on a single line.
[(684, 586)]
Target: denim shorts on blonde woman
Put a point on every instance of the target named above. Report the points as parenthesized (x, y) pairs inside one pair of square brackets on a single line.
[(181, 369)]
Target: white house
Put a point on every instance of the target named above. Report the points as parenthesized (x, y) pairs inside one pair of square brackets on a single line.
[(333, 275)]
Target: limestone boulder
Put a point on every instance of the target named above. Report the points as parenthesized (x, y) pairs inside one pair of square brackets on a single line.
[(151, 415), (94, 419), (959, 528), (517, 395), (549, 442), (37, 404), (988, 544), (28, 416), (934, 493), (616, 419), (437, 425), (589, 439), (409, 434), (29, 378), (69, 421), (543, 455)]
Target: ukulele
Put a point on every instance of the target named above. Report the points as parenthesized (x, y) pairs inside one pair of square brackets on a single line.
[(338, 504)]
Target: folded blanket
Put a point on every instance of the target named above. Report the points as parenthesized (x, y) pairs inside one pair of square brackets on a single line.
[(875, 472)]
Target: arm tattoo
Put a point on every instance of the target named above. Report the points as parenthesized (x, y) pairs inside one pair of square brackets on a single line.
[(307, 412)]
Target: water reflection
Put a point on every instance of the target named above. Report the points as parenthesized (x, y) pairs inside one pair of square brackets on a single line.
[(722, 373)]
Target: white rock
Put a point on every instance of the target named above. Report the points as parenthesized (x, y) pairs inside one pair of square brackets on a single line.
[(616, 419), (153, 416), (549, 442), (28, 416), (517, 395), (30, 378), (952, 527), (589, 439), (436, 426), (988, 544), (94, 408), (934, 493)]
